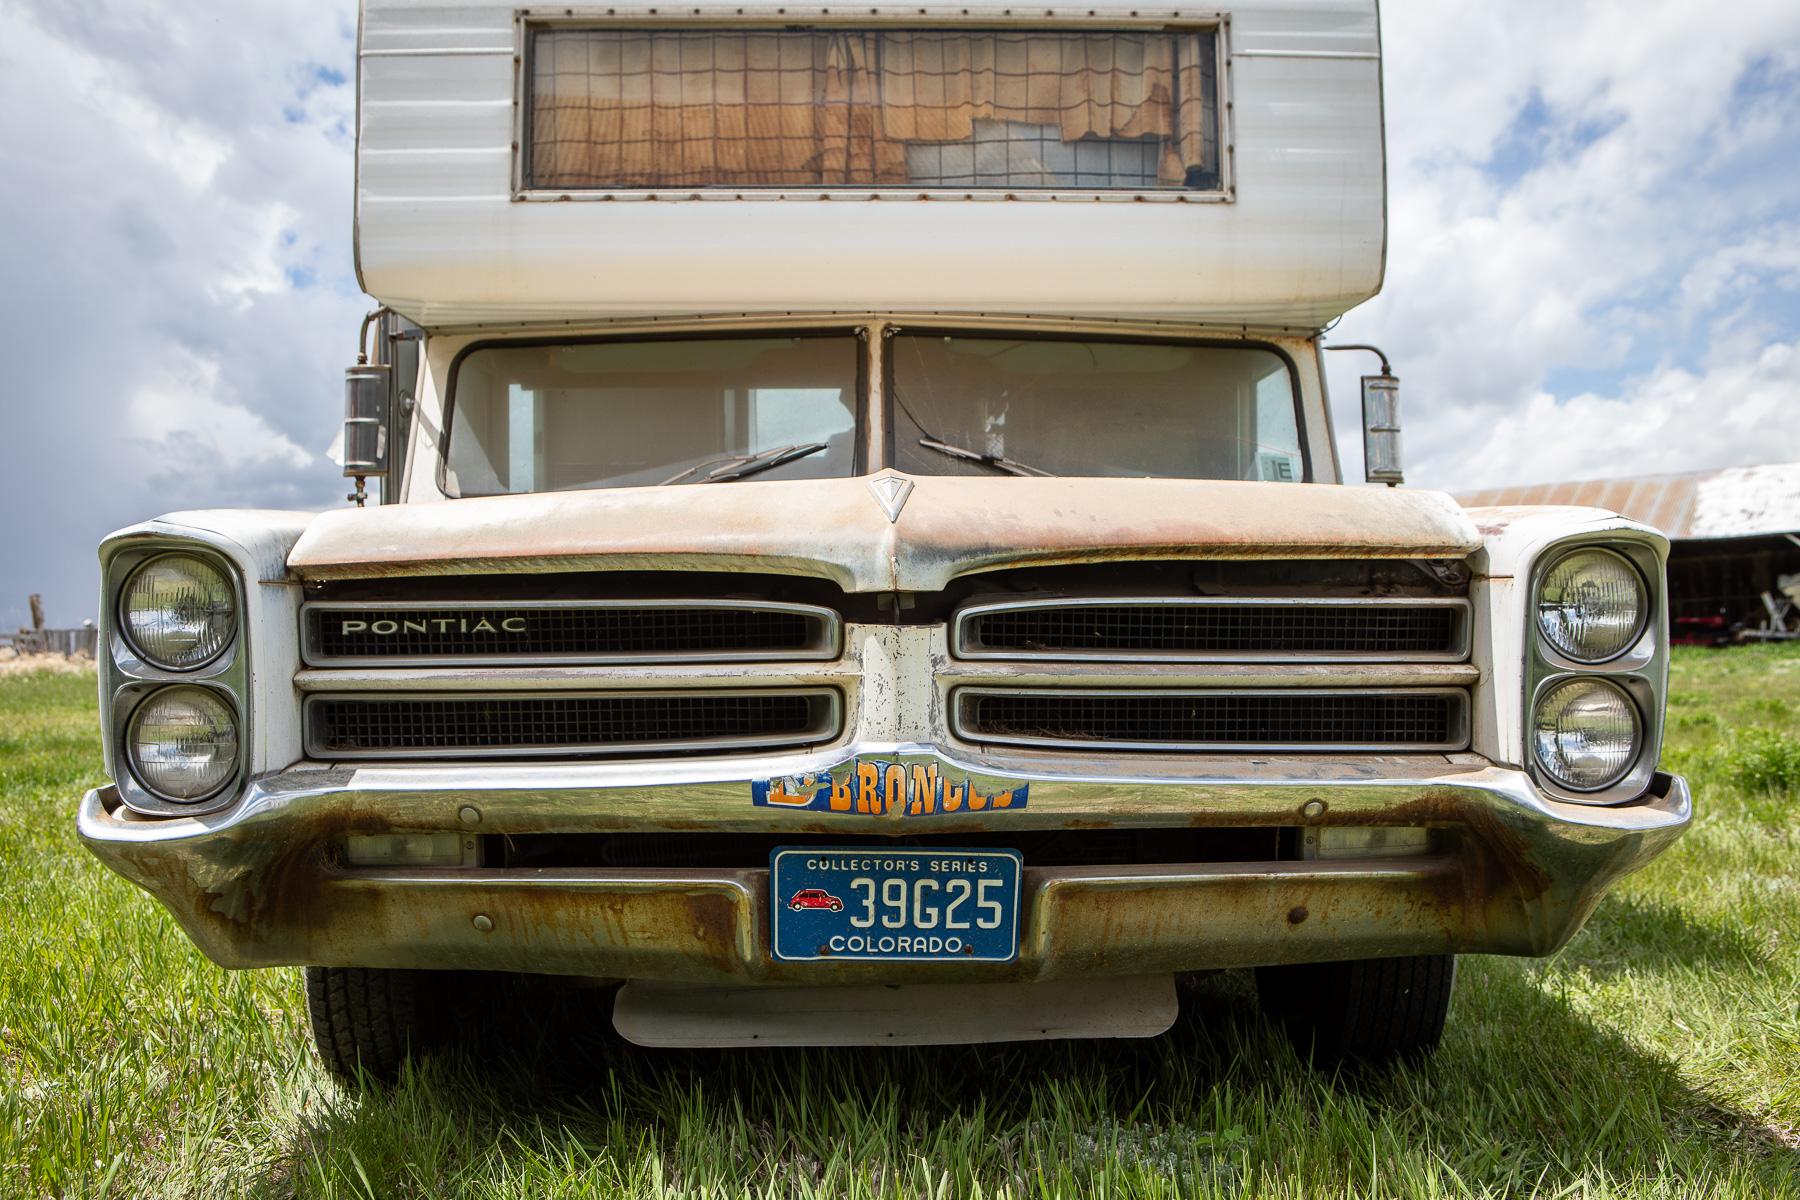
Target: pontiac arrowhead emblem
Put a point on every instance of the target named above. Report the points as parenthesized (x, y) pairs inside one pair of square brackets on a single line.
[(891, 492)]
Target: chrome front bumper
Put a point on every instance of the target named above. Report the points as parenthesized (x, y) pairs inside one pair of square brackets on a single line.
[(258, 885)]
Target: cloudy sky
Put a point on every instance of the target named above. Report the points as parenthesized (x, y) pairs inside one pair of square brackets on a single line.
[(1594, 263)]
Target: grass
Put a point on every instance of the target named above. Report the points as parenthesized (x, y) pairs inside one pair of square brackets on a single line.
[(1659, 1055)]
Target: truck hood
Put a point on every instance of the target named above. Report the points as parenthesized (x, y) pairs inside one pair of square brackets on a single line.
[(888, 532)]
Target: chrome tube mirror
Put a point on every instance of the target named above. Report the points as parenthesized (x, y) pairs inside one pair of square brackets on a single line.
[(1381, 429), (368, 411), (367, 389), (1382, 461)]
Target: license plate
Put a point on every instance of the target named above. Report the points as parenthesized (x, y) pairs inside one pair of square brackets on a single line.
[(894, 905)]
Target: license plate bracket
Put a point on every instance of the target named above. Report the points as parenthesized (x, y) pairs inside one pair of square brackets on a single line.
[(893, 904)]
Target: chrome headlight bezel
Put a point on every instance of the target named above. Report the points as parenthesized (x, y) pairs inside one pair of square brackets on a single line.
[(132, 745), (1639, 627), (1632, 705), (127, 677), (1640, 670), (132, 638)]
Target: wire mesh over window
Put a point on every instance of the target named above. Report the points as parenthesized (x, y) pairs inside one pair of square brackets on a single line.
[(648, 109)]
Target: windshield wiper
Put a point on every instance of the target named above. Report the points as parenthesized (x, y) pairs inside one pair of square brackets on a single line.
[(990, 460), (737, 466)]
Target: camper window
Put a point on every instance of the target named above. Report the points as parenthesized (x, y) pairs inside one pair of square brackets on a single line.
[(627, 109)]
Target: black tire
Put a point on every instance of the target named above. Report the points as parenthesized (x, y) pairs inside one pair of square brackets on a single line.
[(1369, 1010), (367, 1021)]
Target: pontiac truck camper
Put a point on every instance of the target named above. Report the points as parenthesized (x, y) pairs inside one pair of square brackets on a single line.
[(848, 545)]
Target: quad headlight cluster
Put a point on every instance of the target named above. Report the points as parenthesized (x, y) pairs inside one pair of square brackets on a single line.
[(1587, 730), (178, 702)]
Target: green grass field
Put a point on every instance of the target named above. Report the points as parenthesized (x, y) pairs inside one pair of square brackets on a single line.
[(1659, 1055)]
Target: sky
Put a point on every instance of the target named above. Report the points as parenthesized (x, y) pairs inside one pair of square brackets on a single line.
[(1593, 262)]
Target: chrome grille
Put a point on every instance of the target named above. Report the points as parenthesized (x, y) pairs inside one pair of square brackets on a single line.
[(565, 724), (348, 633), (1217, 628), (1285, 719)]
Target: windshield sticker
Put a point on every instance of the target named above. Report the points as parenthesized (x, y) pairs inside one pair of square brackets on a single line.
[(1278, 467), (876, 788)]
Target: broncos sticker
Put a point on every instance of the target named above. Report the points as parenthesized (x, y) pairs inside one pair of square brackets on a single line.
[(874, 787)]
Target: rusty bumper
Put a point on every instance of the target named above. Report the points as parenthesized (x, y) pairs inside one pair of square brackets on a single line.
[(259, 885)]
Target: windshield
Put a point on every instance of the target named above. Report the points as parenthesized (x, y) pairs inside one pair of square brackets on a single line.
[(541, 418), (984, 405)]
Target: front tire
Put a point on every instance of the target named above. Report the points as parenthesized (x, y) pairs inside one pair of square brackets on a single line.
[(1371, 1010), (367, 1021)]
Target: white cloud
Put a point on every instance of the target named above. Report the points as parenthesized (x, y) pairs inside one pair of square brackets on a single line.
[(185, 150), (177, 411), (1599, 200), (1738, 413)]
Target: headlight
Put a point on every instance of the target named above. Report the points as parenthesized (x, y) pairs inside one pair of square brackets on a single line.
[(1585, 733), (178, 612), (183, 743), (1591, 605)]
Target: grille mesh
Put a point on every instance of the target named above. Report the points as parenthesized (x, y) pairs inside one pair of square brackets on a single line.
[(1198, 630), (442, 726), (1222, 719), (575, 632)]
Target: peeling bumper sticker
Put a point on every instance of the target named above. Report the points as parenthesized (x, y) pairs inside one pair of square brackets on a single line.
[(876, 788)]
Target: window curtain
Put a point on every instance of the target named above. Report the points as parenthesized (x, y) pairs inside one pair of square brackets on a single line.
[(936, 85), (661, 109)]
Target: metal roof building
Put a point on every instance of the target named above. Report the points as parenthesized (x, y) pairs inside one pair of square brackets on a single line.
[(1734, 558), (1735, 502)]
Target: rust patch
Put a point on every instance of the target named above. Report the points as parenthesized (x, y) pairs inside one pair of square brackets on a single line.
[(1499, 844)]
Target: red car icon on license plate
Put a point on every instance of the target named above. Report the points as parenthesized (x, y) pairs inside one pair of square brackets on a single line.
[(807, 898)]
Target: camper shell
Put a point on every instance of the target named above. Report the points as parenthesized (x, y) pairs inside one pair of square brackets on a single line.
[(1288, 231)]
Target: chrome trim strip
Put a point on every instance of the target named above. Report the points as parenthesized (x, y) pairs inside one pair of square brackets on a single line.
[(960, 637), (1360, 675), (1459, 716), (1067, 792), (826, 726), (825, 640), (559, 677)]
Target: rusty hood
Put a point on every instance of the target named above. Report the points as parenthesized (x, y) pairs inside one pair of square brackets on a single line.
[(889, 532)]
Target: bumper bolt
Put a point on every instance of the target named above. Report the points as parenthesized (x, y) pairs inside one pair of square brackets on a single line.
[(468, 814), (483, 923), (1312, 810)]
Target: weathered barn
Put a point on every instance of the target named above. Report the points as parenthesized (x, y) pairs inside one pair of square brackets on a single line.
[(1734, 558)]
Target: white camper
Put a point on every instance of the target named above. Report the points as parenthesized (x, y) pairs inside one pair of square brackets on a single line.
[(858, 554)]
